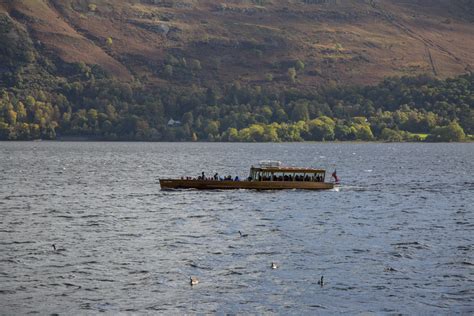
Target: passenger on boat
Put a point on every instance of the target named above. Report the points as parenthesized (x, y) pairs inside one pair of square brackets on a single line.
[(216, 176), (236, 178)]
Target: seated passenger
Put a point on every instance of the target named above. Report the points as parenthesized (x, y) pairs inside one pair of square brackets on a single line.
[(236, 178)]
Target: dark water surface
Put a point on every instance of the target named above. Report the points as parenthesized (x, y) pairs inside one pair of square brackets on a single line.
[(129, 247)]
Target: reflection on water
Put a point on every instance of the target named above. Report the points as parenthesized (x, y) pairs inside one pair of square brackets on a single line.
[(396, 236)]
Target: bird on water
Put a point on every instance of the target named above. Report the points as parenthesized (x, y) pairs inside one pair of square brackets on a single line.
[(274, 265), (321, 282), (242, 235), (57, 249), (193, 281)]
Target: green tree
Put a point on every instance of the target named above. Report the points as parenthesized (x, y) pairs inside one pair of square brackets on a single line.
[(211, 97), (270, 133), (111, 112), (449, 133), (212, 128), (188, 118), (281, 116), (343, 132), (321, 129), (300, 111), (232, 134), (168, 71), (30, 101), (11, 117), (292, 74), (196, 64), (299, 65), (363, 132), (390, 135)]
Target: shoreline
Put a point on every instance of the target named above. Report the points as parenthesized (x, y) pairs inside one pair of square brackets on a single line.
[(95, 140)]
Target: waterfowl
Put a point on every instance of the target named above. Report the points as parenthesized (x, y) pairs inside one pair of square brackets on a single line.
[(389, 269), (57, 249), (321, 282), (193, 281), (243, 235), (274, 265)]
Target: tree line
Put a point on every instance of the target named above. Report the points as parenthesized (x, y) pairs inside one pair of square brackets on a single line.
[(90, 105)]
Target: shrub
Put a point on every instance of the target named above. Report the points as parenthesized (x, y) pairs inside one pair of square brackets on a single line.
[(196, 64), (292, 74), (299, 65)]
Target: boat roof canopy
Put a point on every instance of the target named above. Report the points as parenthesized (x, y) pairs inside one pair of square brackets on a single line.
[(287, 169)]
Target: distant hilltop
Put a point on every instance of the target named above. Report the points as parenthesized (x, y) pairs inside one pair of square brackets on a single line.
[(299, 43)]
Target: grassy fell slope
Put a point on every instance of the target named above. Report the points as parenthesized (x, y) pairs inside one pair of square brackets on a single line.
[(208, 42)]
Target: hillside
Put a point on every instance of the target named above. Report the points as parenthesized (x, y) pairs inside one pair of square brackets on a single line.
[(236, 70), (209, 42)]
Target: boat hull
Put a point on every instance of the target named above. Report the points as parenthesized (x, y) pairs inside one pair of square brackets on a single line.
[(172, 184)]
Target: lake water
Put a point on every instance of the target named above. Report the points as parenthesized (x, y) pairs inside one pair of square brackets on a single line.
[(397, 236)]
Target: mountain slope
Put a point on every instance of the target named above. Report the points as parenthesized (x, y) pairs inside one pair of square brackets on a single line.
[(162, 42)]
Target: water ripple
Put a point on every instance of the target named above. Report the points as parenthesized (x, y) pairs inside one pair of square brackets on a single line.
[(394, 231)]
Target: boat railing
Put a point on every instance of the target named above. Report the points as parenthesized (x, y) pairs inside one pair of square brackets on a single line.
[(269, 163)]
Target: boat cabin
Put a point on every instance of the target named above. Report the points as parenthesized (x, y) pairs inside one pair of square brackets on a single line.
[(274, 171)]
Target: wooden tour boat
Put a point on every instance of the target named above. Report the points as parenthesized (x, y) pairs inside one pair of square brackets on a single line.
[(268, 175)]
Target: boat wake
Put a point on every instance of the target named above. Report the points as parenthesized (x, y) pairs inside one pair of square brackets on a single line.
[(341, 187)]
